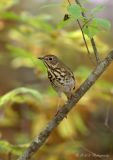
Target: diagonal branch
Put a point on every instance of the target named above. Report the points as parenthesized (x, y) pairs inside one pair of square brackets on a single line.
[(42, 137)]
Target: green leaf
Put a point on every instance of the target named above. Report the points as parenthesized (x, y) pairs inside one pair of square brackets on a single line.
[(21, 54), (104, 23), (98, 8), (40, 24), (17, 52), (9, 16), (74, 10), (63, 23), (91, 31), (19, 94), (6, 147), (95, 26)]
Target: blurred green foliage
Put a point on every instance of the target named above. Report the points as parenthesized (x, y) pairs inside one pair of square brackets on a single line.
[(9, 148), (18, 95), (25, 110), (4, 4)]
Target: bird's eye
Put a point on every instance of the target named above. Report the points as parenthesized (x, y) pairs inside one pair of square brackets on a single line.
[(50, 58)]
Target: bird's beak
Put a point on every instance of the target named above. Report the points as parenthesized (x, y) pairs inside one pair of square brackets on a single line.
[(41, 58)]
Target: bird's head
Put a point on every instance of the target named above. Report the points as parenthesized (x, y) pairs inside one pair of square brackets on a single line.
[(49, 60)]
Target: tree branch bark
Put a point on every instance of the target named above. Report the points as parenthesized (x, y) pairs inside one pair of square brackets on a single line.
[(42, 137)]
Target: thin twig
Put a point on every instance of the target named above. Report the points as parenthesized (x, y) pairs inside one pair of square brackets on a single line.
[(91, 39), (95, 50), (9, 156), (86, 22), (94, 154), (106, 123), (43, 136), (83, 37), (107, 117), (69, 2), (85, 41)]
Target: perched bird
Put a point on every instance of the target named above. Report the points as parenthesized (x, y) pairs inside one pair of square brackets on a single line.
[(60, 76)]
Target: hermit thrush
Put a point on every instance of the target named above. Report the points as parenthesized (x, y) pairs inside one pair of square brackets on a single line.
[(60, 76)]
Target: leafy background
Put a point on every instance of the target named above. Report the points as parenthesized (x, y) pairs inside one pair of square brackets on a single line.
[(32, 28)]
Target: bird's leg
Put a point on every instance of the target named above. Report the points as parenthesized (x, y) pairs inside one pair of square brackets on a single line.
[(59, 101), (69, 95)]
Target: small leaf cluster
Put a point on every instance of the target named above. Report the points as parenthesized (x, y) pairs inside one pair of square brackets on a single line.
[(91, 24)]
